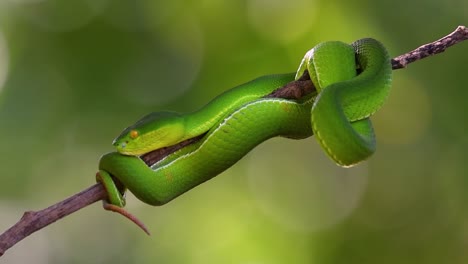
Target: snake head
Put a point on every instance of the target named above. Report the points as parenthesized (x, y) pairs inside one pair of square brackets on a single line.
[(153, 131)]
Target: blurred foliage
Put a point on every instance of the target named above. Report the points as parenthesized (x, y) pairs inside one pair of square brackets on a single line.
[(74, 73)]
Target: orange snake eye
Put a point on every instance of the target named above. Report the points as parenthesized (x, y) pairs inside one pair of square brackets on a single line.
[(133, 134)]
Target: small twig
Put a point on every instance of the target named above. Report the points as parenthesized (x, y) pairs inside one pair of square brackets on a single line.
[(460, 34), (36, 220)]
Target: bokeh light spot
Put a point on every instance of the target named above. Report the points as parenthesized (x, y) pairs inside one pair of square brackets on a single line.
[(159, 75), (303, 190), (405, 117), (227, 220), (281, 21), (451, 178)]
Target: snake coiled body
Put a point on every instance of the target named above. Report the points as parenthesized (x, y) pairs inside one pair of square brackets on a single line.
[(352, 82)]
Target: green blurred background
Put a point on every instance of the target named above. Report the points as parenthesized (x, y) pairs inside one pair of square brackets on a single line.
[(74, 73)]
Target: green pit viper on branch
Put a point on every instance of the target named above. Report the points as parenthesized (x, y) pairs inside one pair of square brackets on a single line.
[(166, 154)]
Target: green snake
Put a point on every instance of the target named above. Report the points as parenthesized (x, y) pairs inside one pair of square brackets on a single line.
[(352, 82)]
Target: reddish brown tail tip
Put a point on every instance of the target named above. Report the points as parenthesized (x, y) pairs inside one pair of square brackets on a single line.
[(128, 215)]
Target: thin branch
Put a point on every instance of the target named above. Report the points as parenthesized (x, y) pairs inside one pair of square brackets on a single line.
[(460, 34), (33, 221)]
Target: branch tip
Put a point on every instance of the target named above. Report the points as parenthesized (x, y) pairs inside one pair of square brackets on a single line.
[(458, 35)]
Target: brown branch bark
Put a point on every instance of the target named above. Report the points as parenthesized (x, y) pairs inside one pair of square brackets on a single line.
[(460, 34), (33, 221)]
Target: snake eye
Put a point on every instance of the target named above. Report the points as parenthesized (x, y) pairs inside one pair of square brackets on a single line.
[(133, 134)]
